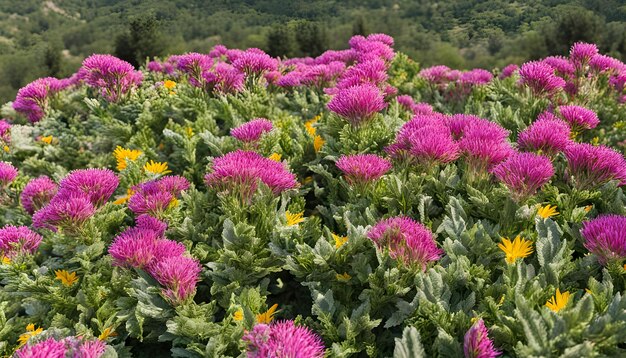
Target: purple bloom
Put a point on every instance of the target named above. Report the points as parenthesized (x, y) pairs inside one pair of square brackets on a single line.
[(255, 61), (363, 168), (484, 144), (50, 348), (373, 72), (18, 239), (154, 66), (90, 349), (174, 184), (547, 135), (477, 343), (141, 247), (283, 339), (605, 236), (540, 78), (113, 77), (68, 211), (407, 240), (560, 64), (5, 131), (366, 49), (32, 99), (151, 198), (97, 184), (38, 193), (384, 38), (579, 118), (147, 222), (179, 275), (228, 79), (476, 77), (524, 173), (357, 104), (590, 166), (509, 70), (417, 108), (436, 74), (240, 172), (602, 63), (195, 66), (8, 173), (252, 131), (581, 53)]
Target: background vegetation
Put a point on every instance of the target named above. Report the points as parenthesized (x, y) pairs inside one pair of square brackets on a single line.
[(50, 38)]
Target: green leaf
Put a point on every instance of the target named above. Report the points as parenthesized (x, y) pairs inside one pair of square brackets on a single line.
[(409, 346)]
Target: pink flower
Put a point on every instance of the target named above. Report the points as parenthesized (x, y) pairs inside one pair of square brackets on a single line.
[(524, 173), (581, 53), (591, 166), (97, 184), (477, 343), (255, 61), (32, 99), (18, 239), (357, 104), (113, 77), (50, 348), (5, 131), (508, 71), (8, 173), (436, 74), (179, 275), (283, 339), (602, 63), (560, 64), (147, 222), (363, 168), (228, 79), (547, 135), (476, 77), (540, 78), (68, 211), (252, 131), (605, 236), (37, 194), (579, 118), (406, 240), (484, 144)]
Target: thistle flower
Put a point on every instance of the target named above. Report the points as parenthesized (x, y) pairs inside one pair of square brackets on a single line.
[(357, 104), (579, 118), (97, 184), (602, 63), (37, 194), (435, 74), (477, 344), (517, 249), (147, 222), (255, 61), (179, 275), (32, 99), (605, 237), (363, 168), (560, 64), (547, 211), (548, 135), (5, 131), (123, 155), (150, 199), (508, 71), (90, 349), (240, 172), (18, 239), (252, 131), (69, 211), (67, 278), (113, 77), (540, 78), (372, 72), (142, 247), (558, 301), (50, 348), (174, 184), (476, 77), (524, 173), (591, 166), (406, 240), (581, 53), (283, 339), (484, 145), (228, 79), (8, 173)]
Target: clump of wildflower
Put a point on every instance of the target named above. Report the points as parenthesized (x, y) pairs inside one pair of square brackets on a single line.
[(228, 79), (561, 65), (123, 155), (96, 184), (591, 166), (67, 278), (8, 173), (16, 240), (558, 301), (524, 173), (581, 53), (547, 211), (113, 77), (37, 194), (30, 332), (68, 211), (517, 249), (540, 78), (255, 61), (156, 168), (509, 71), (32, 99), (477, 344), (282, 339), (48, 348), (484, 145), (252, 131), (605, 237), (179, 275), (155, 197), (142, 247), (78, 347), (547, 135), (361, 169), (579, 118), (357, 104), (407, 240)]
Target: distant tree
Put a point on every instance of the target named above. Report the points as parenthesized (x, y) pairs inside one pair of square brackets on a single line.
[(280, 41), (311, 39), (573, 24), (358, 27), (52, 60), (143, 39)]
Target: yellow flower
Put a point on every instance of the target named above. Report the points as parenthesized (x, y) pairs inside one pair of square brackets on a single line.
[(189, 131), (275, 157), (318, 142), (47, 139), (125, 198), (307, 180), (547, 211), (558, 301), (308, 126), (66, 278), (238, 316), (339, 240), (6, 148), (343, 277), (153, 167), (123, 154), (294, 219), (518, 249), (169, 84), (30, 332), (6, 260), (106, 333), (267, 316), (588, 208), (173, 203)]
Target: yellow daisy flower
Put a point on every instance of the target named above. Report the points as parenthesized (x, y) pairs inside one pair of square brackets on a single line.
[(238, 315), (547, 211), (6, 260), (343, 277), (153, 167), (275, 157), (318, 143), (47, 139), (518, 249), (169, 84), (122, 155), (6, 148), (308, 126), (189, 131), (339, 240), (558, 301), (106, 333), (294, 219), (66, 278), (30, 332), (267, 316), (124, 199)]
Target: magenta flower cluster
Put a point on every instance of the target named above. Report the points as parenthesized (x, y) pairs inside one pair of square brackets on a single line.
[(483, 143), (32, 99), (540, 77), (282, 339), (409, 104), (476, 343), (524, 173), (252, 131), (578, 118), (240, 172), (60, 348), (16, 240), (38, 193), (357, 104), (605, 237), (155, 197), (8, 173), (360, 169), (114, 78), (407, 241), (590, 166), (547, 135), (455, 84)]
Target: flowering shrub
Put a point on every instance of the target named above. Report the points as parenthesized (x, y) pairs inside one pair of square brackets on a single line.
[(232, 204)]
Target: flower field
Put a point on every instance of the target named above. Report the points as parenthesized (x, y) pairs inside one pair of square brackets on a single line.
[(232, 204)]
